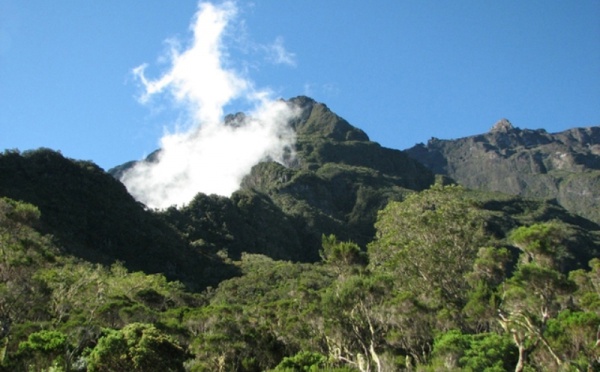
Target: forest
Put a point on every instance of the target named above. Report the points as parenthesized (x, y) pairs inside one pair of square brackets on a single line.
[(440, 287)]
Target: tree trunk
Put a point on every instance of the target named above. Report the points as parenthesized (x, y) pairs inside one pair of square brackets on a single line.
[(375, 357), (522, 356)]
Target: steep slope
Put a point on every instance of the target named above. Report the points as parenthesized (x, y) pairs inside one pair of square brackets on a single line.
[(339, 179), (334, 182), (534, 163), (92, 216)]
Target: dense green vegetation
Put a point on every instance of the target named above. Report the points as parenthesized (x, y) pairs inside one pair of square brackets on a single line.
[(443, 286), (92, 216)]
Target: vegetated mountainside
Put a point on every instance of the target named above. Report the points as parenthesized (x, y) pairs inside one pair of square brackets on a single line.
[(339, 179), (92, 216), (455, 280), (334, 184), (444, 278), (534, 163)]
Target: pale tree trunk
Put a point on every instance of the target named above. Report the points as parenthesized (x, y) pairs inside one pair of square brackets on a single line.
[(375, 357), (372, 332), (522, 356), (518, 339)]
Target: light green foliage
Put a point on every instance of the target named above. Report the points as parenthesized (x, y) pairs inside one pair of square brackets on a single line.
[(43, 349), (20, 244), (23, 250), (535, 292), (588, 286), (355, 309), (542, 243), (575, 333), (488, 352), (257, 319), (113, 297), (490, 266), (136, 347), (428, 242)]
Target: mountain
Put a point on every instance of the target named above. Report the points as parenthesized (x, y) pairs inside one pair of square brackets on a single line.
[(335, 184), (91, 216), (532, 163), (347, 255)]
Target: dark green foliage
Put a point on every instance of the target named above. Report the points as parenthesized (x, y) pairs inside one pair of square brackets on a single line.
[(317, 120), (246, 222), (93, 217)]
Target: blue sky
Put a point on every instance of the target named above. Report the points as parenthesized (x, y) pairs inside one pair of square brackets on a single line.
[(403, 71)]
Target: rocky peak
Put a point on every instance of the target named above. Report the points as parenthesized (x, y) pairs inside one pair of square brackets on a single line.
[(502, 126), (235, 120), (527, 162), (317, 120)]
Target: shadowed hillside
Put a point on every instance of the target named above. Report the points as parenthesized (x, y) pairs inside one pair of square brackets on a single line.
[(92, 216)]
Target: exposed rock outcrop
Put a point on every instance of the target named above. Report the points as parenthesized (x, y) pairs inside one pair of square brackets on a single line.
[(564, 166)]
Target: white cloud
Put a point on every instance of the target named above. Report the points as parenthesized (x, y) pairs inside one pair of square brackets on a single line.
[(209, 156), (197, 76), (279, 55)]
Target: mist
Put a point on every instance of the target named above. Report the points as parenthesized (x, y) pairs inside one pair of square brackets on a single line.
[(205, 154)]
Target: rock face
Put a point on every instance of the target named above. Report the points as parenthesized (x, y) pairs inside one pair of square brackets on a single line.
[(533, 163)]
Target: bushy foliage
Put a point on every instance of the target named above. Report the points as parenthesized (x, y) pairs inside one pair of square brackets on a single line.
[(136, 347)]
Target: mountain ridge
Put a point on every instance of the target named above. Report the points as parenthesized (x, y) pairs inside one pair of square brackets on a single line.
[(336, 184), (533, 163)]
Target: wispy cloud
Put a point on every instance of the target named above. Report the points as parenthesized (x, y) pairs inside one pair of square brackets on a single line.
[(208, 156), (278, 54)]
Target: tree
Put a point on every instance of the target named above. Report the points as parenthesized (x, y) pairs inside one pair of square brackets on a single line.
[(303, 361), (454, 350), (428, 242), (575, 335), (44, 349), (343, 257), (355, 309), (489, 271), (23, 251), (587, 295), (534, 294), (136, 347)]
